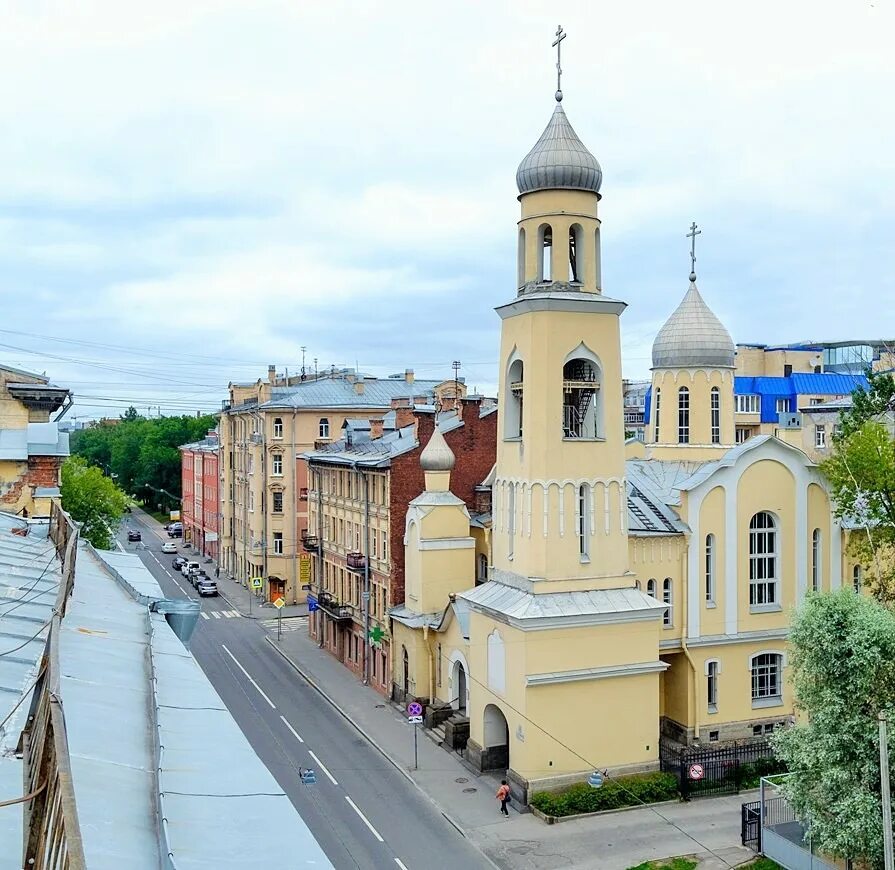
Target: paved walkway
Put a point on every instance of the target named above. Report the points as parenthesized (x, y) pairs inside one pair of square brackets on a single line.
[(249, 604), (709, 829)]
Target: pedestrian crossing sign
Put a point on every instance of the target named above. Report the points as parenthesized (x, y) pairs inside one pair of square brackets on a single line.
[(280, 602), (257, 582)]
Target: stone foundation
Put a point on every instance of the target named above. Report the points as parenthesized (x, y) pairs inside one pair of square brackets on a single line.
[(728, 732)]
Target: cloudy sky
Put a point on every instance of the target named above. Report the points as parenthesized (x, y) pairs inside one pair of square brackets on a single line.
[(190, 191)]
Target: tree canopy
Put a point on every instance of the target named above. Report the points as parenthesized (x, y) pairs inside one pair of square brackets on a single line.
[(93, 500), (842, 670), (142, 453)]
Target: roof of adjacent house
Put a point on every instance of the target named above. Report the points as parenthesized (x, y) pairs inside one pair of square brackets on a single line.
[(36, 439), (342, 393)]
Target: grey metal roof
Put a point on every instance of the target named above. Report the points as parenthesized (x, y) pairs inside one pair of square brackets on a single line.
[(693, 336), (37, 439), (341, 393), (647, 513), (29, 579), (559, 160), (412, 619), (7, 368)]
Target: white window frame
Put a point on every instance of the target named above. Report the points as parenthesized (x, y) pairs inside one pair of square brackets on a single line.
[(278, 543), (820, 436), (766, 672), (323, 427), (783, 406), (511, 520), (764, 564), (683, 416), (716, 415), (584, 522), (276, 465), (712, 672), (658, 410), (278, 427), (273, 502), (711, 562), (748, 403), (857, 578), (651, 588), (668, 601), (816, 560)]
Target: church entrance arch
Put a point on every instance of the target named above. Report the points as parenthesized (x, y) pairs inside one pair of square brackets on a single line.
[(496, 739), (458, 687)]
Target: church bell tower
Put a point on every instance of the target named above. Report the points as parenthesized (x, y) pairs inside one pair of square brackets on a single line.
[(559, 491)]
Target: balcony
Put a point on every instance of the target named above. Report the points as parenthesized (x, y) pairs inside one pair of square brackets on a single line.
[(356, 561), (322, 443), (310, 543), (303, 493), (333, 609)]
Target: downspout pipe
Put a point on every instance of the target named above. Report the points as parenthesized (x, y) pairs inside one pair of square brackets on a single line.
[(685, 628), (366, 594)]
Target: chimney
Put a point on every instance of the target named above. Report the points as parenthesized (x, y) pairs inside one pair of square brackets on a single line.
[(425, 426), (272, 374), (376, 424), (359, 387), (404, 416), (408, 375)]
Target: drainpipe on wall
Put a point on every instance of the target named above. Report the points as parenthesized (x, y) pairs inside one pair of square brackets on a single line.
[(684, 631), (431, 681), (366, 593)]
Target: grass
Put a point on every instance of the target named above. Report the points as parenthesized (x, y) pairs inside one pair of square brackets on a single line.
[(689, 864)]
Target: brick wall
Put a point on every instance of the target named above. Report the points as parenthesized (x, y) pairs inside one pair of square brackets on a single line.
[(475, 447), (17, 493)]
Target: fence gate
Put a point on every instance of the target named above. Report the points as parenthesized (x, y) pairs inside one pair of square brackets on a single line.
[(750, 827)]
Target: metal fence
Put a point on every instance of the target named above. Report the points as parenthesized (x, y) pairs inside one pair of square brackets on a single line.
[(709, 772), (750, 825)]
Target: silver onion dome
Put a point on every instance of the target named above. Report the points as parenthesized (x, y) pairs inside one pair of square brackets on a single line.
[(437, 456), (693, 336), (559, 160)]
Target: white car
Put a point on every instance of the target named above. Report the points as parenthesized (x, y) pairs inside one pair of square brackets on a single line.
[(190, 568), (169, 547)]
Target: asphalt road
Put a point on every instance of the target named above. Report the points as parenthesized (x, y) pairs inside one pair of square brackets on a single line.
[(362, 811)]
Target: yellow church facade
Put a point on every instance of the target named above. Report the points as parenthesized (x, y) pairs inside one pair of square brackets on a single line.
[(632, 592)]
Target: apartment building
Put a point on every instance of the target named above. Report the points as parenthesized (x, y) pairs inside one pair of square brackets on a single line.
[(32, 447), (263, 427), (360, 489), (200, 488)]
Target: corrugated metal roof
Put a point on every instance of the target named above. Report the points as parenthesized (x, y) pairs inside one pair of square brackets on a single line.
[(341, 393)]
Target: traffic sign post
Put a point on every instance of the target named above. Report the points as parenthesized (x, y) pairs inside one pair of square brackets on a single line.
[(280, 603), (415, 718)]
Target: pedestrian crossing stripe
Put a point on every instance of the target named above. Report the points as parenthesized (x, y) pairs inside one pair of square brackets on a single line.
[(292, 624), (204, 615), (215, 614)]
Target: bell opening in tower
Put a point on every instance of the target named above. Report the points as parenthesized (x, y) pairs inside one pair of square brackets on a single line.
[(581, 386)]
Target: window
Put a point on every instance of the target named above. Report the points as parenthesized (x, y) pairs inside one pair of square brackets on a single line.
[(482, 573), (373, 547), (756, 730), (667, 617), (513, 417), (782, 406), (583, 522), (787, 370), (815, 560), (857, 578), (815, 401), (511, 519), (766, 678), (820, 437), (713, 736), (277, 464), (763, 561), (748, 404), (545, 243), (576, 235), (711, 680), (710, 568), (521, 259), (658, 399), (716, 415), (581, 399), (278, 427), (277, 502), (683, 416), (278, 543), (438, 664), (383, 550), (651, 588), (323, 428), (742, 435)]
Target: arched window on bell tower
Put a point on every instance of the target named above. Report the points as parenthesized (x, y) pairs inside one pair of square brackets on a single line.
[(521, 258), (514, 398), (545, 252), (582, 407), (576, 253), (598, 263)]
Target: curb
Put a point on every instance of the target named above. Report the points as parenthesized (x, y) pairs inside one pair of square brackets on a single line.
[(396, 764)]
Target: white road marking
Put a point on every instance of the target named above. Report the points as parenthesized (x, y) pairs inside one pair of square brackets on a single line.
[(401, 864), (215, 614), (227, 613), (294, 732), (363, 818), (204, 615), (168, 572), (260, 690), (322, 766)]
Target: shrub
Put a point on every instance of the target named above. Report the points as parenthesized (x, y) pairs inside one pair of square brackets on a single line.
[(623, 791)]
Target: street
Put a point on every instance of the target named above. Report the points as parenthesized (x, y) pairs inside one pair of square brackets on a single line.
[(363, 812)]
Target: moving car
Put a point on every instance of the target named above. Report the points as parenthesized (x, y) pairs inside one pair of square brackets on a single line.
[(178, 563), (206, 586), (169, 547), (134, 535)]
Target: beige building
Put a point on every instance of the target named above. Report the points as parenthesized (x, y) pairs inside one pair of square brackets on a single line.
[(638, 594), (32, 449), (265, 426)]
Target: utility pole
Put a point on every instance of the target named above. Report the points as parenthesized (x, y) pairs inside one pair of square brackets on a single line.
[(889, 860)]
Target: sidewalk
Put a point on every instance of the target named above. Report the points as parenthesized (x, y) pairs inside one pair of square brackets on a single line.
[(240, 598), (616, 841)]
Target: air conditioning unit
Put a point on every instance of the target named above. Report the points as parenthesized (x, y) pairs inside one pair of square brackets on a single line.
[(789, 420)]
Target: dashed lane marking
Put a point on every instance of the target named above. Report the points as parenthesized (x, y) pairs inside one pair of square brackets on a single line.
[(167, 572), (260, 690), (401, 864), (363, 818), (322, 766), (294, 732)]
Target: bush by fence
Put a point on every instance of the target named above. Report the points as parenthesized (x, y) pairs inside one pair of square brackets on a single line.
[(624, 791)]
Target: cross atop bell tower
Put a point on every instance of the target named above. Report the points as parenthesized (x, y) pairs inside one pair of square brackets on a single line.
[(557, 44)]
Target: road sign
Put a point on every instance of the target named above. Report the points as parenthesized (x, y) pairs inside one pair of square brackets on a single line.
[(312, 604), (280, 602), (415, 720), (304, 568), (414, 708), (696, 771), (257, 582)]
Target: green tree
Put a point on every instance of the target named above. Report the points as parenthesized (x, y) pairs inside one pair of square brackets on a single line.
[(130, 414), (843, 674), (874, 403), (93, 500)]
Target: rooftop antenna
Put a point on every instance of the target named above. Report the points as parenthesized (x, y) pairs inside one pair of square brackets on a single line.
[(455, 365), (303, 349), (557, 44), (315, 368), (692, 236)]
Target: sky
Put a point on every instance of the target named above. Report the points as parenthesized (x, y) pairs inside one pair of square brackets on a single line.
[(190, 192)]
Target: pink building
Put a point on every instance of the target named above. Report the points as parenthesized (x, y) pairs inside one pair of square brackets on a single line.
[(200, 500)]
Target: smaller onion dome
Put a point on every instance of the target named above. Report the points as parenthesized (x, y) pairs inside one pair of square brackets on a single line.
[(437, 456), (693, 336), (559, 160)]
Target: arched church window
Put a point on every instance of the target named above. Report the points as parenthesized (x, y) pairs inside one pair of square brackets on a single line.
[(651, 587), (576, 252), (710, 568), (658, 399), (511, 518), (584, 521), (667, 592), (815, 560), (683, 416), (513, 413), (521, 257), (581, 399), (857, 578), (545, 250), (716, 415), (763, 560), (598, 267)]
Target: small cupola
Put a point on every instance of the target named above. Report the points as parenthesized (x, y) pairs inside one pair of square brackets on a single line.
[(437, 461)]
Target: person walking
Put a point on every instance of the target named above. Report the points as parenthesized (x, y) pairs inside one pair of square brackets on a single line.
[(503, 795)]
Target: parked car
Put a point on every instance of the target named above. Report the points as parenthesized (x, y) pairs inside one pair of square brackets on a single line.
[(189, 567), (178, 562), (134, 535), (197, 577), (206, 586), (175, 530), (169, 547)]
